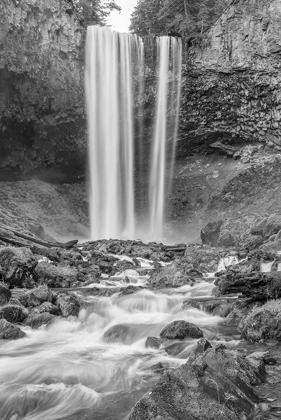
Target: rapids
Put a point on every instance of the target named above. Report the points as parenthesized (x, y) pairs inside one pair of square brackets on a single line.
[(97, 366)]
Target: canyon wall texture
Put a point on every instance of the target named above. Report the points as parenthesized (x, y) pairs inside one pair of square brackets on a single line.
[(42, 116), (232, 91)]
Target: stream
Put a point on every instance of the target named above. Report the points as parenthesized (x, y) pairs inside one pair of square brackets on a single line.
[(97, 366)]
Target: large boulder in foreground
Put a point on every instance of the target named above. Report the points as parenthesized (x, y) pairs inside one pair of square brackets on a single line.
[(9, 331), (179, 330), (262, 323), (17, 265), (213, 384)]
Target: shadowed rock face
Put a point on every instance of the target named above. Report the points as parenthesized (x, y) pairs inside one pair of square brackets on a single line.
[(232, 88), (42, 122)]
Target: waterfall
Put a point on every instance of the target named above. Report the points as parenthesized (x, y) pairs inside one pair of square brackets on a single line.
[(114, 83), (109, 97), (169, 52)]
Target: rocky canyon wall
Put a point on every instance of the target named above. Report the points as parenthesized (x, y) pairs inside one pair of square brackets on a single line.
[(232, 91), (42, 120)]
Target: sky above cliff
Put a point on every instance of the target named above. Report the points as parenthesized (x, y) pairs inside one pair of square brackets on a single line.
[(121, 21)]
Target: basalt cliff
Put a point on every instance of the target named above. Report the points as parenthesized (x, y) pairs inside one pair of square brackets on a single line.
[(42, 119)]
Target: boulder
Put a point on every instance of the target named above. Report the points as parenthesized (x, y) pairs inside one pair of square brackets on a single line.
[(272, 225), (169, 276), (17, 265), (153, 342), (179, 330), (37, 296), (262, 323), (47, 307), (258, 286), (68, 304), (213, 384), (37, 320), (226, 238), (5, 295), (55, 276), (13, 313), (211, 232), (9, 331)]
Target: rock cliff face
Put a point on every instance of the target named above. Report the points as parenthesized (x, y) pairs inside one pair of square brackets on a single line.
[(232, 91), (42, 122)]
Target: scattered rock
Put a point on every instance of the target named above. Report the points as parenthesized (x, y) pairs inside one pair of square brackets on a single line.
[(13, 313), (9, 331), (179, 330), (47, 307), (5, 295), (37, 296), (68, 304), (17, 265)]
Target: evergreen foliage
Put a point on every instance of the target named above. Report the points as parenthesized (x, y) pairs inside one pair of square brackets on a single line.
[(94, 12), (190, 18)]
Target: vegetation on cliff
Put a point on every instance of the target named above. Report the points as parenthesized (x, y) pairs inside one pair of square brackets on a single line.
[(186, 17)]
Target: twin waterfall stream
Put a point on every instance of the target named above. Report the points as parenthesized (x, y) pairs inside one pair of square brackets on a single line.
[(114, 82)]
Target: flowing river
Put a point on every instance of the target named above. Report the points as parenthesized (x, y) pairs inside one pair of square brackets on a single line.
[(97, 366)]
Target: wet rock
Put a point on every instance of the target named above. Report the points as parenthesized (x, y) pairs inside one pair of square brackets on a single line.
[(179, 330), (37, 296), (153, 342), (47, 307), (37, 320), (68, 304), (17, 265), (119, 334), (202, 346), (269, 360), (223, 309), (55, 276), (170, 276), (200, 259), (262, 323), (14, 301), (240, 310), (9, 331), (13, 313), (5, 295), (213, 385)]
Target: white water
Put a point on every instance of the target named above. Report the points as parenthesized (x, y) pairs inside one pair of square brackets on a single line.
[(169, 50), (109, 92), (97, 366)]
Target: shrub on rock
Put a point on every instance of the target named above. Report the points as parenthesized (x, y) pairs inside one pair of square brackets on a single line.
[(9, 331), (55, 276), (17, 265), (179, 330), (68, 304), (263, 322)]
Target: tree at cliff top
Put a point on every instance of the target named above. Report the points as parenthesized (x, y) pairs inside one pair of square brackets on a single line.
[(95, 12), (187, 17)]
